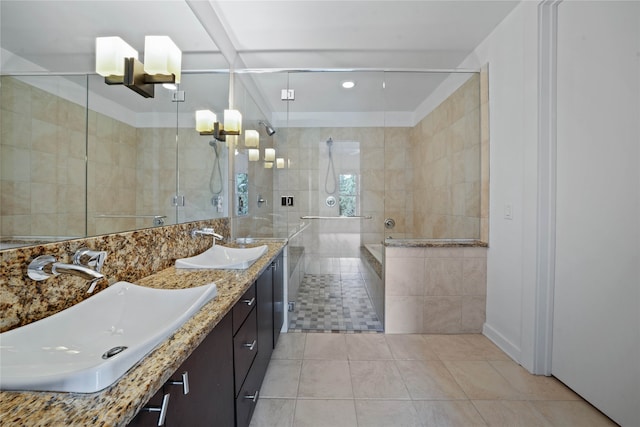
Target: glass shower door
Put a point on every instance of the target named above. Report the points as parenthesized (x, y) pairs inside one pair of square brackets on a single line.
[(337, 183)]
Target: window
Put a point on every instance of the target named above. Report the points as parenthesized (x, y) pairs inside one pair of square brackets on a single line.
[(348, 194)]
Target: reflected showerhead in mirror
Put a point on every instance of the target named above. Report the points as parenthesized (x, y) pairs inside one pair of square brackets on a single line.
[(216, 146), (268, 128)]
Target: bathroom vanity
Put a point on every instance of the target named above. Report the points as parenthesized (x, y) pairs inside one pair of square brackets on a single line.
[(219, 384), (220, 355)]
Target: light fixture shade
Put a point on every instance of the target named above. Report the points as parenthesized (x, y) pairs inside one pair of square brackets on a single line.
[(254, 154), (269, 154), (232, 121), (205, 120), (162, 56), (110, 54), (268, 165), (280, 163), (251, 138)]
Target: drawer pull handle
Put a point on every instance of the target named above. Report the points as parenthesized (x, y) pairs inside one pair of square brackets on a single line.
[(184, 383), (162, 409), (249, 302), (251, 346), (253, 397)]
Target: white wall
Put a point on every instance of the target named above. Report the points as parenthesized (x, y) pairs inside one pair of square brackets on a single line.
[(511, 52)]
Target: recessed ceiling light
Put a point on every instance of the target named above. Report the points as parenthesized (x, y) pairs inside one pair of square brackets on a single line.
[(348, 84), (169, 86)]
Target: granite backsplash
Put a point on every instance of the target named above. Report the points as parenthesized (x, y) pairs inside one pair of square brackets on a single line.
[(130, 256)]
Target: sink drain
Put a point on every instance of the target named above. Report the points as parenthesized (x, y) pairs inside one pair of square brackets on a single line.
[(112, 352)]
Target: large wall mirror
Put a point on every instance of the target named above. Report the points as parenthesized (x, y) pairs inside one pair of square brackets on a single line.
[(82, 158), (253, 165)]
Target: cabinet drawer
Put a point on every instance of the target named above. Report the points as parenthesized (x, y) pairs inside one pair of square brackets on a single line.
[(248, 398), (243, 307), (245, 348)]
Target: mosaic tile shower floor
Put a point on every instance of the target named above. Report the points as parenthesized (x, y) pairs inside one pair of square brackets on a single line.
[(332, 303)]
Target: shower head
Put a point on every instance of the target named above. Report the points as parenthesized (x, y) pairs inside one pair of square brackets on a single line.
[(268, 128), (329, 142)]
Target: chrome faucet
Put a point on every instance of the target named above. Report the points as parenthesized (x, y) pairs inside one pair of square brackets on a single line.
[(207, 232), (86, 264)]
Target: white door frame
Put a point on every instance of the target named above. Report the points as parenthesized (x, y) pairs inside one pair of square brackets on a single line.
[(546, 198)]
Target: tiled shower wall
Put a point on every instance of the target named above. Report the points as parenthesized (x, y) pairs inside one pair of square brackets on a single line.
[(445, 149), (360, 150), (432, 179)]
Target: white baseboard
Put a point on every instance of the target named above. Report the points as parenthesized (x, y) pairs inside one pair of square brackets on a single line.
[(512, 350)]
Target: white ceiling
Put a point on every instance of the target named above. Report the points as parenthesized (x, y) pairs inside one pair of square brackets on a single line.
[(59, 36)]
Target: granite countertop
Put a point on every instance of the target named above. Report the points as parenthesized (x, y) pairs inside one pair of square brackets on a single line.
[(434, 243), (118, 404)]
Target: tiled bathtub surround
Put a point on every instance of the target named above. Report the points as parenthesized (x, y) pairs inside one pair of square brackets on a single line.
[(435, 287), (131, 256)]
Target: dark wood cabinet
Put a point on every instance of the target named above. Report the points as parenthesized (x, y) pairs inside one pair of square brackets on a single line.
[(225, 372), (209, 373), (210, 378), (269, 294)]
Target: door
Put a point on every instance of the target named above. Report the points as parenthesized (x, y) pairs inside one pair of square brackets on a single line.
[(596, 332)]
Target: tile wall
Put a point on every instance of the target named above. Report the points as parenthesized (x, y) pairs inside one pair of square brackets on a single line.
[(446, 167), (435, 290)]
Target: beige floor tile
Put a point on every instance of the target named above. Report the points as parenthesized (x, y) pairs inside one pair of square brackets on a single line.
[(281, 379), (445, 413), (485, 347), (452, 347), (463, 347), (325, 379), (509, 413), (386, 413), (568, 413), (429, 379), (273, 412), (325, 346), (377, 379), (480, 380), (533, 387), (410, 347), (290, 346), (325, 413), (367, 347)]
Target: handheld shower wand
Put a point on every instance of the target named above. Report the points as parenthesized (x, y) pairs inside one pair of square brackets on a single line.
[(330, 167)]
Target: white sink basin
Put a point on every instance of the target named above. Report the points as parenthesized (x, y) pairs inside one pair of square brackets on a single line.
[(68, 351), (222, 257)]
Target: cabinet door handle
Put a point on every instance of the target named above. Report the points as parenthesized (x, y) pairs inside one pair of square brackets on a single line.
[(249, 302), (184, 383), (253, 397), (252, 345), (162, 409)]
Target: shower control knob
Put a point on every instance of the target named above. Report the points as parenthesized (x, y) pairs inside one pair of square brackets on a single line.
[(389, 223)]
